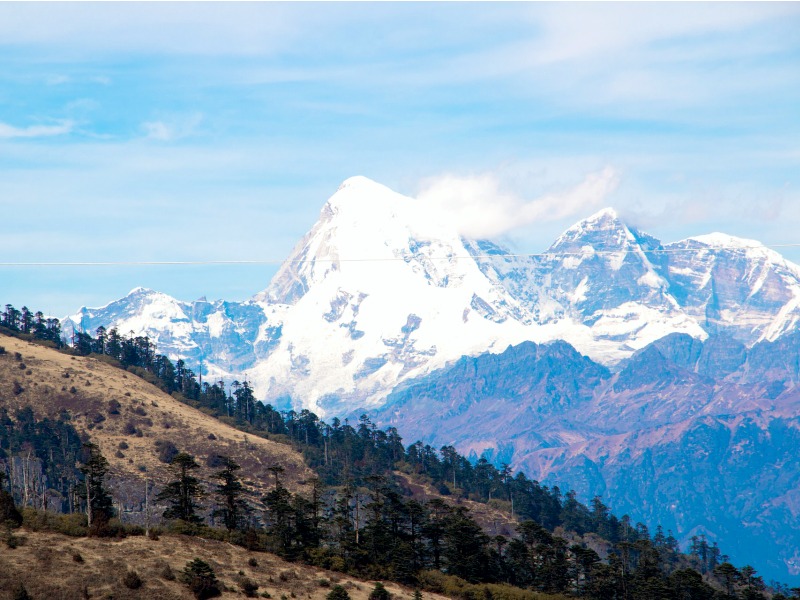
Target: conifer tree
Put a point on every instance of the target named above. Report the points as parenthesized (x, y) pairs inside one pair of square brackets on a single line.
[(9, 515), (201, 579), (99, 507), (184, 492), (379, 592), (338, 593), (229, 491)]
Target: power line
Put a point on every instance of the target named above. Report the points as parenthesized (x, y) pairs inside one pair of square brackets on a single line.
[(149, 263)]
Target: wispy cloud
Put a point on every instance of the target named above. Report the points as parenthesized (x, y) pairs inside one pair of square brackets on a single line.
[(480, 207), (57, 79), (172, 129), (35, 131)]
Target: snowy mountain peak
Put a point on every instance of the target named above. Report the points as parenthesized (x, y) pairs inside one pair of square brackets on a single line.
[(381, 290), (604, 230), (138, 290), (725, 241), (361, 194), (605, 213), (359, 181)]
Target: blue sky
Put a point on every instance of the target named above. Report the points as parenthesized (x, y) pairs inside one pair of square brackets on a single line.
[(207, 131)]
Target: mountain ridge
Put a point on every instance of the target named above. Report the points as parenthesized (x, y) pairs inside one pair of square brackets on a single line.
[(333, 331), (661, 438)]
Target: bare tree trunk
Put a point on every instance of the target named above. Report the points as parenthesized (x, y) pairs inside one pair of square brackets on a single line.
[(146, 508), (88, 503), (356, 522)]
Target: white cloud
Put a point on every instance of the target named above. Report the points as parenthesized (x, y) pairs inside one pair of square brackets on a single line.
[(57, 79), (598, 29), (34, 131), (479, 207), (173, 129)]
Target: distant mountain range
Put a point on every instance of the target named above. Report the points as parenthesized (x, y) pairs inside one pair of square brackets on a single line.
[(701, 437), (661, 376), (377, 293)]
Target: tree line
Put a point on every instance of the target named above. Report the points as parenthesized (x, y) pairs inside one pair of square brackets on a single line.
[(33, 324), (359, 519)]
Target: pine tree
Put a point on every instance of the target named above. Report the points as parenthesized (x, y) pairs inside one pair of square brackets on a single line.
[(282, 525), (9, 515), (379, 592), (338, 593), (201, 579), (99, 506), (229, 491), (184, 492)]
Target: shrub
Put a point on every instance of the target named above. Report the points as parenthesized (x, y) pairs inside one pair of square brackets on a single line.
[(18, 389), (21, 593), (131, 580), (252, 562), (76, 556), (248, 587), (338, 593), (166, 451), (200, 578), (215, 461), (167, 573), (8, 511), (123, 445), (113, 407), (379, 592)]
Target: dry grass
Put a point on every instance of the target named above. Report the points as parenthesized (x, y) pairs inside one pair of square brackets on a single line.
[(46, 565), (492, 520), (89, 389)]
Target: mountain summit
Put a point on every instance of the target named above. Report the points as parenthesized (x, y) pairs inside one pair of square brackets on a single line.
[(380, 291)]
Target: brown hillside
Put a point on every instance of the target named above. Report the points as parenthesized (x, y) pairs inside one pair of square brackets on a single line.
[(493, 520), (58, 567), (88, 389)]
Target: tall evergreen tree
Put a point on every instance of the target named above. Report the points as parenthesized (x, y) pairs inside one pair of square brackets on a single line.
[(94, 466), (184, 492), (233, 509)]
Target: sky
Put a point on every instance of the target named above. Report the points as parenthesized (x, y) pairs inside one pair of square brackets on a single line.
[(212, 132)]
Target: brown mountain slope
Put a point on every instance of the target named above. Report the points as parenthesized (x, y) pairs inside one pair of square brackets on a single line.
[(47, 564), (118, 409)]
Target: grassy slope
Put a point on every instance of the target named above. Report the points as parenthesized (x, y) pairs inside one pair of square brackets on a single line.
[(157, 415), (44, 564)]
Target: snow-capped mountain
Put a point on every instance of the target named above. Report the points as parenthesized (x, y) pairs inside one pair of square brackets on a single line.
[(735, 285), (192, 331), (382, 290)]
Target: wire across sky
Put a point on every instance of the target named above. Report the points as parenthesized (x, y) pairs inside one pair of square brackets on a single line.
[(155, 263)]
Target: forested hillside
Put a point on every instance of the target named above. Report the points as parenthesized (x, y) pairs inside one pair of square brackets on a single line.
[(373, 507)]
